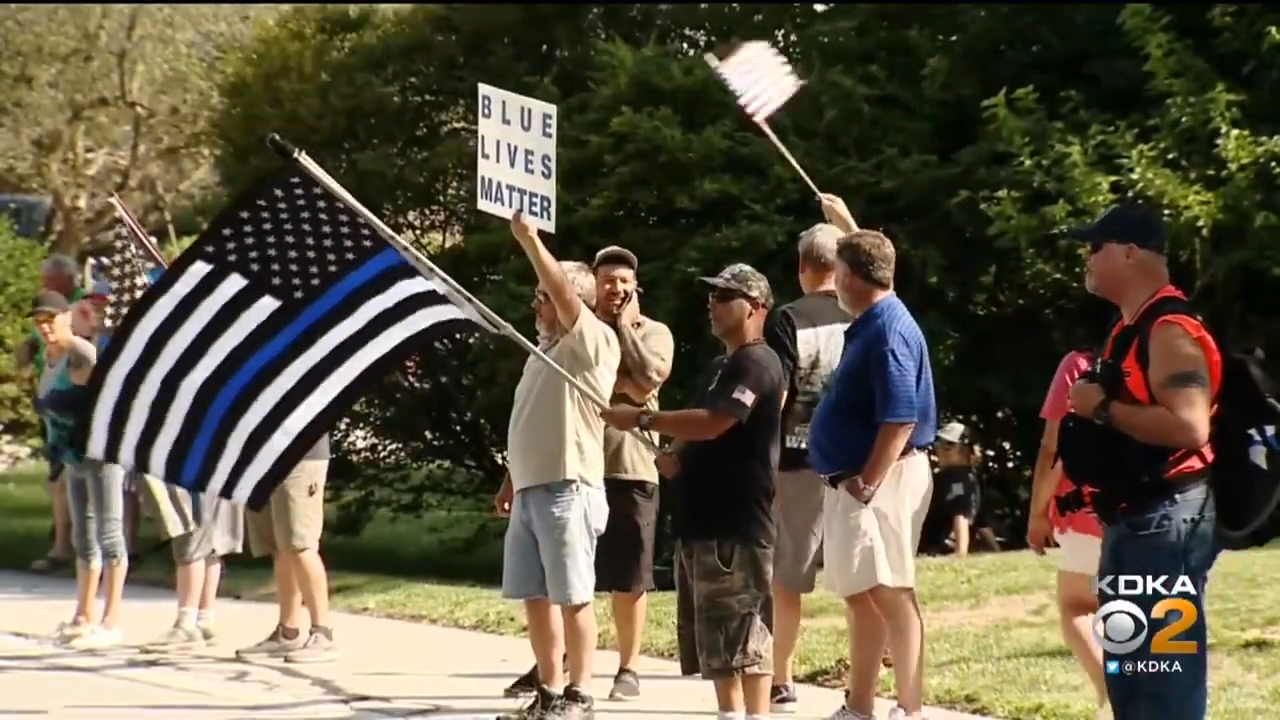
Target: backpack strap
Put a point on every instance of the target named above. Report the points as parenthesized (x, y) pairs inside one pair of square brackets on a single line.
[(1162, 308)]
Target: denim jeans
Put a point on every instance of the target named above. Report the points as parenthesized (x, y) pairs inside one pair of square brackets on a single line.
[(1174, 537), (95, 499)]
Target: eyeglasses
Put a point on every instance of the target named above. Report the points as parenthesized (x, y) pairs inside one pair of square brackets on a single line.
[(542, 297)]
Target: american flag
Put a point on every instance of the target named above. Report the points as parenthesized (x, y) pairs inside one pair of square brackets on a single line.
[(125, 266), (256, 340), (759, 76)]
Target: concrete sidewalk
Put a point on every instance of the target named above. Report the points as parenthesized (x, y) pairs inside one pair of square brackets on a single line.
[(389, 669)]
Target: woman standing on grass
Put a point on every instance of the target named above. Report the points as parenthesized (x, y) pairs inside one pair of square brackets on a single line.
[(1060, 512), (95, 492)]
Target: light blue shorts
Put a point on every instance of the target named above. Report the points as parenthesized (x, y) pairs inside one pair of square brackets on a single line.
[(550, 547)]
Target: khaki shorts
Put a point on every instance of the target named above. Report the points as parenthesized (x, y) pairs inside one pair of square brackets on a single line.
[(797, 513), (866, 546), (294, 516)]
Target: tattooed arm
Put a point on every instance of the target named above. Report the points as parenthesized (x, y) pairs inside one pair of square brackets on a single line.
[(81, 357), (1179, 373)]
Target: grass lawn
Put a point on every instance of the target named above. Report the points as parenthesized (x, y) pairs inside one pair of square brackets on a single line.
[(994, 647)]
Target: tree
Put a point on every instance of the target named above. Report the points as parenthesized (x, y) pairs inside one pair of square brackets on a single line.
[(20, 259), (102, 98), (971, 134)]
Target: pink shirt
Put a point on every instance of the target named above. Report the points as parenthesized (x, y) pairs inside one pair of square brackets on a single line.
[(1056, 406)]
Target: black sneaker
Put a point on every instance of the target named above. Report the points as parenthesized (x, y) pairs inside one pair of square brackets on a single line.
[(539, 705), (524, 686), (626, 685), (783, 700), (572, 705)]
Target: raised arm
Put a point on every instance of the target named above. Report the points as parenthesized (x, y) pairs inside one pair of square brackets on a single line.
[(562, 294), (81, 357)]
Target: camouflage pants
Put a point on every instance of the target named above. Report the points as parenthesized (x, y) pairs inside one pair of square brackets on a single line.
[(721, 590)]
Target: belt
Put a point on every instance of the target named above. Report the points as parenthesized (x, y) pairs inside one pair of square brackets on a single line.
[(837, 478)]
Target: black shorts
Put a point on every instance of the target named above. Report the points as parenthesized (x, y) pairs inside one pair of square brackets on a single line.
[(55, 471), (624, 553)]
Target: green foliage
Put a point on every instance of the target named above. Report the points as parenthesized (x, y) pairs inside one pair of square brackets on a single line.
[(970, 134), (20, 259)]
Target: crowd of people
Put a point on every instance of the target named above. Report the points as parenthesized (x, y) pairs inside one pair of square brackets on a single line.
[(807, 446), (96, 505)]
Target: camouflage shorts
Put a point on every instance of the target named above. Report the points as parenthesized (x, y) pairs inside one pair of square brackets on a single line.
[(721, 590)]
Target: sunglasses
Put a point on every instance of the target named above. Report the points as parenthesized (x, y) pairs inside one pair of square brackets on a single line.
[(727, 296), (542, 297)]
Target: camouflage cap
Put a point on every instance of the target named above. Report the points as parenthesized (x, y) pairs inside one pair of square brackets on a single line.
[(744, 279)]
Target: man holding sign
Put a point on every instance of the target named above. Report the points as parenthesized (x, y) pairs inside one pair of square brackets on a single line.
[(516, 157), (553, 492)]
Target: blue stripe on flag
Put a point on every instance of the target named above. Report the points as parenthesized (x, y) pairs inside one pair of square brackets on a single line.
[(230, 392)]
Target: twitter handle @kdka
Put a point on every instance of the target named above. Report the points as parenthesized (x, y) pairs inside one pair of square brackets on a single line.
[(1143, 667)]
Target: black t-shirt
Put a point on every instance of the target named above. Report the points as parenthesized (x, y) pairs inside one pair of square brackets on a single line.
[(724, 490), (808, 336)]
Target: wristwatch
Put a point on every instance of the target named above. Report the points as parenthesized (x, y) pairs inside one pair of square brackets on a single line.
[(644, 420), (1102, 413)]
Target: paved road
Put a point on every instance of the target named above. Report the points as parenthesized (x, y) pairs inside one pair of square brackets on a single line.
[(389, 669)]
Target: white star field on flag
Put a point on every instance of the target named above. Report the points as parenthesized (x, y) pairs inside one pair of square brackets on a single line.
[(125, 269), (295, 242)]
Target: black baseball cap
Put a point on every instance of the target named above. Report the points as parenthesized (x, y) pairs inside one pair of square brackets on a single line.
[(49, 303), (1125, 225)]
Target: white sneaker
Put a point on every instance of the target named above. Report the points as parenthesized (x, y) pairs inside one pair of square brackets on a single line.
[(99, 638), (844, 713), (177, 638), (899, 714), (69, 630)]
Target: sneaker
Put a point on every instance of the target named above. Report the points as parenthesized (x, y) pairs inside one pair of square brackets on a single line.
[(844, 713), (525, 686), (626, 685), (274, 646), (319, 648), (539, 704), (899, 714), (572, 705), (783, 700), (98, 638), (176, 638), (69, 630), (208, 634)]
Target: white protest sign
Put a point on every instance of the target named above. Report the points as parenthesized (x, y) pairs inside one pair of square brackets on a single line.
[(516, 156)]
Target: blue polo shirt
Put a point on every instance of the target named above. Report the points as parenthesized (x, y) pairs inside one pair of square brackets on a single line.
[(883, 377)]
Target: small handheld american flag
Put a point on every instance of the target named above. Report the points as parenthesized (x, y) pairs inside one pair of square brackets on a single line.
[(763, 82), (759, 76)]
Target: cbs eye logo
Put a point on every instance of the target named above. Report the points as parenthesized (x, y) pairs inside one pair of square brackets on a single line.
[(1121, 627)]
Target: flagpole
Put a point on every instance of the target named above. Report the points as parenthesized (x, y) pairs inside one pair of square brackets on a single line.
[(714, 62), (290, 152)]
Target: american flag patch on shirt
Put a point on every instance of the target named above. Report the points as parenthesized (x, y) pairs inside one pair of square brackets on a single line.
[(744, 396)]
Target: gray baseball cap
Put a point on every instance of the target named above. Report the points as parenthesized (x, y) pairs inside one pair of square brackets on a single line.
[(49, 303), (744, 279), (615, 255)]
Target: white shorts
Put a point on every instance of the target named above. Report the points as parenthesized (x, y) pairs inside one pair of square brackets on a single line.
[(875, 544), (1079, 554)]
